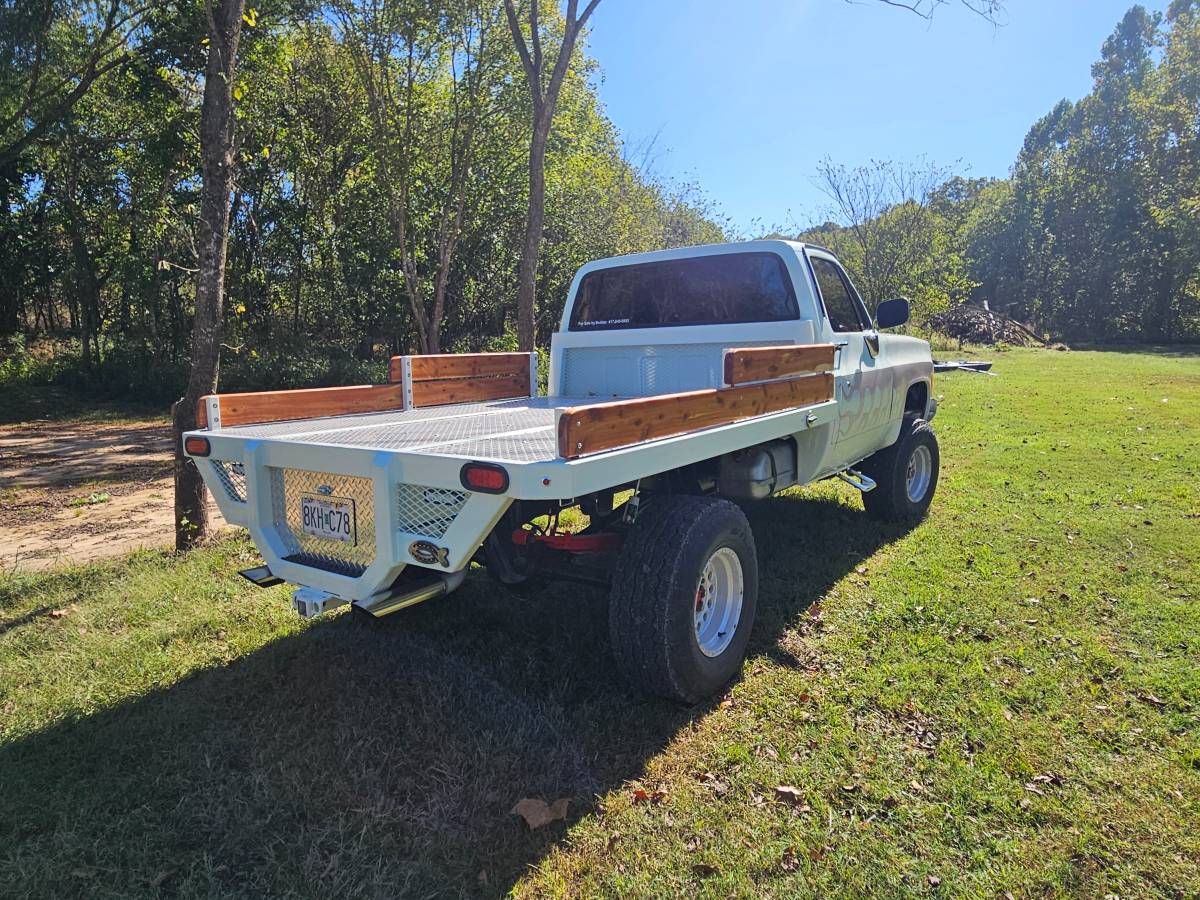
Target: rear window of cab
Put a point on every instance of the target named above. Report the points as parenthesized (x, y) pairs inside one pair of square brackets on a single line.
[(721, 289)]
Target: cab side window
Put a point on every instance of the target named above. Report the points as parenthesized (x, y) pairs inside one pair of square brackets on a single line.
[(841, 307)]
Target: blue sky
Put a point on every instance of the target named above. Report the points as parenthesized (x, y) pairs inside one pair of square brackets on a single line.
[(746, 96)]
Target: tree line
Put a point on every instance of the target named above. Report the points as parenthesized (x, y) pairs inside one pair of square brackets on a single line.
[(1094, 236), (380, 184), (385, 155)]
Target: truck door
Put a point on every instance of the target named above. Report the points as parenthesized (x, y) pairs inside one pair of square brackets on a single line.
[(858, 377)]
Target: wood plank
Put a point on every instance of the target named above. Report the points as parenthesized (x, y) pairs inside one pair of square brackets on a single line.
[(469, 390), (469, 365), (606, 426), (746, 364), (306, 403), (395, 369)]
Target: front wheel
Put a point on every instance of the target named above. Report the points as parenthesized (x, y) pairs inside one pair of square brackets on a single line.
[(905, 474), (683, 596)]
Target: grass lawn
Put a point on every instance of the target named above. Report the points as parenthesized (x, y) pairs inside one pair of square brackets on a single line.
[(1003, 699)]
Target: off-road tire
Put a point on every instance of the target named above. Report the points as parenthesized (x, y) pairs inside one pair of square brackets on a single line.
[(890, 501), (653, 599)]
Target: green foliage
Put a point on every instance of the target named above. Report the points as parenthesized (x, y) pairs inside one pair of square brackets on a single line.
[(348, 211), (1096, 234)]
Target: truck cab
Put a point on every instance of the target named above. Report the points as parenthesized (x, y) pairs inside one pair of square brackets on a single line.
[(660, 323)]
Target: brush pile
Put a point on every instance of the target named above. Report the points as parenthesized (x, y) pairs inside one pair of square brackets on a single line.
[(976, 325)]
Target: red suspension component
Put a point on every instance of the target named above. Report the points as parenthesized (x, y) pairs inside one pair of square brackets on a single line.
[(597, 542)]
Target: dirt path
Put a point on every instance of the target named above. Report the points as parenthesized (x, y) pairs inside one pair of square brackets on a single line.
[(80, 491)]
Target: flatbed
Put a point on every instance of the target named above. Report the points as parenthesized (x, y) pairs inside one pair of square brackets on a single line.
[(522, 435)]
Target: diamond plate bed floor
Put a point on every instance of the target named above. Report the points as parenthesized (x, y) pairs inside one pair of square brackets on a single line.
[(522, 430)]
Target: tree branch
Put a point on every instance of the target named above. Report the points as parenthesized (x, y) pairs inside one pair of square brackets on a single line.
[(990, 10), (514, 25)]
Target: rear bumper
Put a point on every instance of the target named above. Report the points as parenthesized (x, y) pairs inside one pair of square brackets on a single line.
[(406, 512)]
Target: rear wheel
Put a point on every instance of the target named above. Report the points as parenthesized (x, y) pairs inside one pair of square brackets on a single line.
[(905, 474), (683, 596)]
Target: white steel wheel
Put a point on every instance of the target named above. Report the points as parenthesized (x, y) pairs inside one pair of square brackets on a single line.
[(684, 590), (905, 474), (719, 601), (919, 473)]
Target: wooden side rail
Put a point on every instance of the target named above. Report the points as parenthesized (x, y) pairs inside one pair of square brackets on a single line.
[(438, 379), (621, 423), (258, 407), (747, 364)]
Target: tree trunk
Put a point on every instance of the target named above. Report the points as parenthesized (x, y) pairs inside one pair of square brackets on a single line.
[(544, 98), (534, 220), (216, 168), (10, 294)]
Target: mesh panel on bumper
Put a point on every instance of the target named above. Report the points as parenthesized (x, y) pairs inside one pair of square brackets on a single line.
[(427, 511), (232, 476), (420, 509), (344, 558)]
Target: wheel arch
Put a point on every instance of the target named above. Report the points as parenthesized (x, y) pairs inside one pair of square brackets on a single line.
[(916, 398)]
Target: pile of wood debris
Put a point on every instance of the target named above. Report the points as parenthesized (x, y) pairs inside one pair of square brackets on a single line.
[(976, 325)]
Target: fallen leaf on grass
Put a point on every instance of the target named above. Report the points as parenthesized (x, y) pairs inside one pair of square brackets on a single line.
[(641, 795), (537, 813), (934, 881), (714, 784), (60, 613), (785, 793), (1152, 700), (162, 878), (1048, 778), (1034, 789)]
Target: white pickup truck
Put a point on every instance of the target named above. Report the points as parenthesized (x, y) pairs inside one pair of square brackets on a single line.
[(680, 381)]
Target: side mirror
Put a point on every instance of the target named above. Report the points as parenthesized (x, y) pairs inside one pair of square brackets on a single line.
[(891, 313)]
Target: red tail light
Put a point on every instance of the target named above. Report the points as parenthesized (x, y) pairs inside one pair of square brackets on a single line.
[(196, 446), (484, 477)]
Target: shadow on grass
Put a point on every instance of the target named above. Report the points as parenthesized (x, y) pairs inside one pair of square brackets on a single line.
[(20, 403), (21, 621), (377, 758)]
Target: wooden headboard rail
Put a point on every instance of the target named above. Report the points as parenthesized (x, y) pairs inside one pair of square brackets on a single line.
[(438, 379), (743, 365), (428, 380)]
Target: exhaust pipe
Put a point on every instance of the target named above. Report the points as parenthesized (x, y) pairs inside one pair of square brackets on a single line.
[(411, 594)]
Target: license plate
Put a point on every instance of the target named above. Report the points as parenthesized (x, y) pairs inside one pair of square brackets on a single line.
[(330, 518)]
